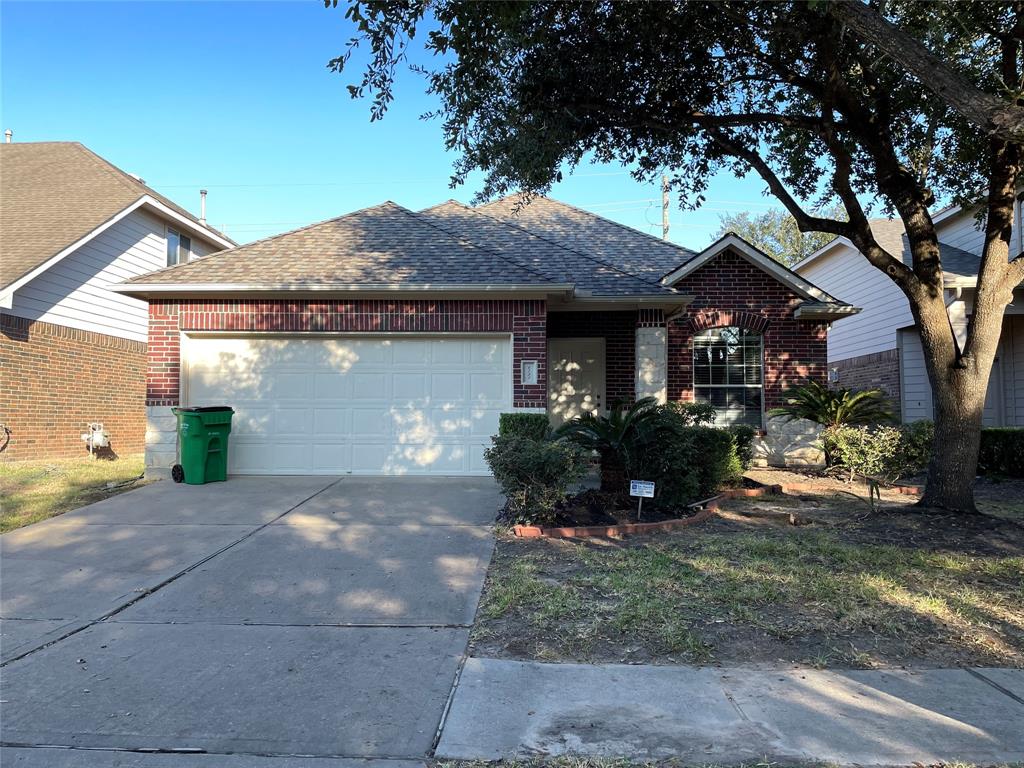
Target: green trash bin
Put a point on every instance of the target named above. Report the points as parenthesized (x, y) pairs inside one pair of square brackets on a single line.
[(203, 440)]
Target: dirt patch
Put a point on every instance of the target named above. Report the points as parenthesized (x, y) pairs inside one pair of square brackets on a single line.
[(852, 587)]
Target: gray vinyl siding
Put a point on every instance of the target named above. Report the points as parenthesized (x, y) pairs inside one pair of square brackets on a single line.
[(847, 275), (74, 291)]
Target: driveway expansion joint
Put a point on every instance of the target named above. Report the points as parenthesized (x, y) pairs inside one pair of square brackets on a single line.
[(190, 751)]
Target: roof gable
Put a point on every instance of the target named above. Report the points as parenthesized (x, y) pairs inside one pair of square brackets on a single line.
[(757, 257), (56, 195)]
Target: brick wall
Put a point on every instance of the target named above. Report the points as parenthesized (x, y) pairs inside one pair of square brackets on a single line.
[(879, 370), (731, 291), (54, 380), (524, 319), (618, 329)]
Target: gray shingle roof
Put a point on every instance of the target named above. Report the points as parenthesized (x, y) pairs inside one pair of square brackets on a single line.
[(536, 251), (383, 245), (956, 262), (628, 249), (54, 193)]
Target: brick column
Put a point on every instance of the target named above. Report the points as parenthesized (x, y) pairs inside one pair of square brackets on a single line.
[(530, 342)]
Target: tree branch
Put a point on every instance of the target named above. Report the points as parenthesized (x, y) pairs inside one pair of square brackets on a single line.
[(998, 117)]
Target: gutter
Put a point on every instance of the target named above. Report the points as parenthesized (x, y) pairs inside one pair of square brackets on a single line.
[(147, 290)]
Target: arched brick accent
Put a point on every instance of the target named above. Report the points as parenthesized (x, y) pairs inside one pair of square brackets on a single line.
[(751, 321)]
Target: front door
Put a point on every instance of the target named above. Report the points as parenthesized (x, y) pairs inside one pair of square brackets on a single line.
[(575, 378)]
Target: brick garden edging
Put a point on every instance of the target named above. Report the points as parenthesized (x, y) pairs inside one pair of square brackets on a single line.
[(708, 509)]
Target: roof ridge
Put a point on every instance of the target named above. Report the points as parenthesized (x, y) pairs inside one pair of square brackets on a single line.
[(419, 217), (571, 249), (225, 251), (602, 218)]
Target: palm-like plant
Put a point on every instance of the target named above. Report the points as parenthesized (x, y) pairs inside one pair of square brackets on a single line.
[(620, 439), (831, 407)]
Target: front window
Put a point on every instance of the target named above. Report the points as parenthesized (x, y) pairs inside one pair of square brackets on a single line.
[(179, 247), (728, 372)]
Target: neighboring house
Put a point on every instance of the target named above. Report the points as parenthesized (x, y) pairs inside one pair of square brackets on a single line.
[(71, 351), (881, 347), (388, 341)]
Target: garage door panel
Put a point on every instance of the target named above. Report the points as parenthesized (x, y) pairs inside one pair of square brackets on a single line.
[(293, 422), (370, 406), (370, 386), (332, 421)]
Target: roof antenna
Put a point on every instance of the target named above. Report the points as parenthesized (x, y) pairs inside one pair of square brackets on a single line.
[(8, 134), (202, 207)]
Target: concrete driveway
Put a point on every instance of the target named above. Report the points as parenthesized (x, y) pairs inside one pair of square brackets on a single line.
[(279, 620)]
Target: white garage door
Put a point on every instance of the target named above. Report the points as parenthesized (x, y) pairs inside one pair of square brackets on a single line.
[(362, 405)]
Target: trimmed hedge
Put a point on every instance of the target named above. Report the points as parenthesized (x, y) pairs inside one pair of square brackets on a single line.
[(1002, 451), (534, 475), (532, 425), (690, 466)]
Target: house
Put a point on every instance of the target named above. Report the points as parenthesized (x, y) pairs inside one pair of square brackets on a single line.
[(880, 347), (388, 341), (73, 352)]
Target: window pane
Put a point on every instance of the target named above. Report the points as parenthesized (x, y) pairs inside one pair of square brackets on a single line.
[(172, 247), (728, 374), (184, 249)]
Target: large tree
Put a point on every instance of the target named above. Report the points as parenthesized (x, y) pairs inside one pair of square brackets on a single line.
[(819, 100)]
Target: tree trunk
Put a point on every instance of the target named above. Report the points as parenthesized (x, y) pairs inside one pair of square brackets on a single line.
[(959, 402)]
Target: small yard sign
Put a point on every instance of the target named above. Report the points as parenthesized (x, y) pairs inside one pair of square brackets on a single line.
[(645, 490), (641, 488)]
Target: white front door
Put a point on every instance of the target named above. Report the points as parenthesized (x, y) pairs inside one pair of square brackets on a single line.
[(363, 405), (575, 378)]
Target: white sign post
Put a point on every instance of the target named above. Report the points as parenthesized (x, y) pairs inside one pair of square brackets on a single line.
[(644, 489)]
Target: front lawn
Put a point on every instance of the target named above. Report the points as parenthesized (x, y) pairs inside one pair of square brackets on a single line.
[(851, 587), (35, 490)]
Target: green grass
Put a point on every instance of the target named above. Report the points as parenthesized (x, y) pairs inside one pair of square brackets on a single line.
[(674, 595), (31, 491)]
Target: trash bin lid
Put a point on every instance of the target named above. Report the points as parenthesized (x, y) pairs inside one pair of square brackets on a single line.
[(206, 409)]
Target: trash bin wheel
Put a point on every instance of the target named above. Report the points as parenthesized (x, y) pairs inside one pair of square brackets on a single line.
[(178, 473)]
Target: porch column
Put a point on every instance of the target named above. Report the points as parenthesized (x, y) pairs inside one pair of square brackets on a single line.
[(651, 355)]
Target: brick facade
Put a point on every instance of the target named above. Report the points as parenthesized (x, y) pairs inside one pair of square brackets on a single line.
[(618, 329), (879, 370), (55, 380), (731, 291), (525, 320)]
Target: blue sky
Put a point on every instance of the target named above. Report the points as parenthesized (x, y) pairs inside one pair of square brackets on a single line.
[(236, 97)]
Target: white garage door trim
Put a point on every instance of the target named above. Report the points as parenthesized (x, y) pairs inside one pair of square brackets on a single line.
[(445, 437)]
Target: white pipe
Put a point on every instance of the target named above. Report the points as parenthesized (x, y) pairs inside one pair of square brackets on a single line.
[(202, 207)]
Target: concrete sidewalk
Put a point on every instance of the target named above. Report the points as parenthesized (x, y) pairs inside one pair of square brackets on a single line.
[(505, 709)]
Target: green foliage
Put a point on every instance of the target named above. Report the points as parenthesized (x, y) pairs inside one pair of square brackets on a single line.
[(1002, 452), (693, 414), (918, 439), (881, 452), (830, 407), (534, 475), (776, 233), (743, 435), (690, 465), (622, 438), (669, 444), (532, 425)]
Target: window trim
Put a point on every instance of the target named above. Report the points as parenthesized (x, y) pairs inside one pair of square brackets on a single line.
[(693, 363), (168, 231)]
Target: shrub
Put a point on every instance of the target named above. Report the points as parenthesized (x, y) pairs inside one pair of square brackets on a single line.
[(534, 475), (881, 452), (532, 425), (622, 438), (743, 435), (693, 414), (831, 407), (690, 465), (918, 438), (1002, 452)]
